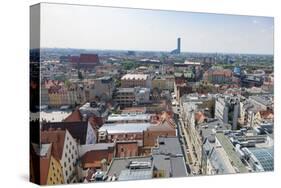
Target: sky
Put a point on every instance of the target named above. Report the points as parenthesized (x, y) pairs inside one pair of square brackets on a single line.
[(90, 27)]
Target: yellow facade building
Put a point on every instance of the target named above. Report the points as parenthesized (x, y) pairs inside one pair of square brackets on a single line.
[(55, 174)]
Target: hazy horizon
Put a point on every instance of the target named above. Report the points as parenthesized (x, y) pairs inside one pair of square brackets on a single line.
[(107, 28)]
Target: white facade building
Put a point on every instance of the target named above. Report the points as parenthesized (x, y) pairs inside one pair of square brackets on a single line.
[(227, 109), (69, 159)]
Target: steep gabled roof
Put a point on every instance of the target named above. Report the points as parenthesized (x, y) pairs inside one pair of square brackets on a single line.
[(56, 138), (78, 130), (75, 116)]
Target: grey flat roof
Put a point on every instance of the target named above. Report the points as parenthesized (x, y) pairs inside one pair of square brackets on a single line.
[(195, 97), (168, 156), (172, 166), (178, 167), (125, 90), (103, 78), (120, 164), (209, 127), (230, 150), (264, 99), (128, 117), (114, 128), (168, 145), (139, 174), (218, 158)]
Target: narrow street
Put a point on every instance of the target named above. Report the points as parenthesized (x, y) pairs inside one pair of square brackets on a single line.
[(184, 138), (193, 161)]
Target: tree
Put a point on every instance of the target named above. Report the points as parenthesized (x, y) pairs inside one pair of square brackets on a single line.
[(128, 65)]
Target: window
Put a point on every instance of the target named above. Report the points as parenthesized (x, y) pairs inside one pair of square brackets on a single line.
[(64, 164)]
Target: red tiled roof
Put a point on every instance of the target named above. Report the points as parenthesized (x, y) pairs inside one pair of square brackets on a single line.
[(54, 86), (75, 116), (57, 89), (164, 121), (165, 126), (78, 130), (96, 122), (130, 148), (56, 137), (89, 58), (92, 159), (268, 114)]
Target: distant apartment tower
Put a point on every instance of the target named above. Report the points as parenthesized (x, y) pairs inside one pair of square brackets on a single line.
[(179, 45), (178, 49), (227, 110)]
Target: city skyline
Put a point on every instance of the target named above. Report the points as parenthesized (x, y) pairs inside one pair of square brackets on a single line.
[(119, 114), (107, 28)]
